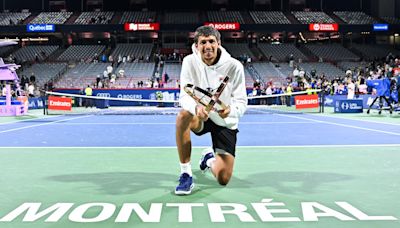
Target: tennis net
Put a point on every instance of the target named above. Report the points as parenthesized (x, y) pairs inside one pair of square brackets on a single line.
[(74, 104)]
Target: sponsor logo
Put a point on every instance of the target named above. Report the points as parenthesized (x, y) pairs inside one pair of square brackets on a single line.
[(224, 26), (323, 27), (103, 95), (380, 27), (40, 27), (306, 101), (60, 103), (345, 105), (370, 100), (328, 101), (130, 96), (142, 26), (350, 106)]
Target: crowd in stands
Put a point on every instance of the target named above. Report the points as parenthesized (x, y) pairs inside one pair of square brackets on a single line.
[(305, 16), (27, 87), (285, 64), (352, 83)]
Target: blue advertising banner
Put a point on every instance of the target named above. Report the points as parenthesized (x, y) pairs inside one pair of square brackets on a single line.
[(40, 28), (349, 106), (381, 27), (35, 103), (367, 99), (167, 94), (173, 94)]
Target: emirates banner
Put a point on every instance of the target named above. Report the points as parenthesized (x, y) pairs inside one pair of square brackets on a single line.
[(59, 103), (306, 101)]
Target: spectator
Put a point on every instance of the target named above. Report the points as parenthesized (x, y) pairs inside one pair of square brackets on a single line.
[(32, 78), (98, 79), (291, 60), (31, 90), (105, 75), (4, 90), (157, 76), (166, 77), (88, 92), (257, 86), (296, 72), (103, 58), (121, 73)]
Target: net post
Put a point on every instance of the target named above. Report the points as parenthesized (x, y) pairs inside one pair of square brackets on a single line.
[(322, 101), (44, 98)]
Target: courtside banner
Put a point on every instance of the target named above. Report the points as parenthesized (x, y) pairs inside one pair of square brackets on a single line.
[(60, 103), (306, 101), (142, 26), (323, 27), (224, 25)]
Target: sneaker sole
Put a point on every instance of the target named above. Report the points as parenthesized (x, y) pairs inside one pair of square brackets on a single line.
[(185, 192)]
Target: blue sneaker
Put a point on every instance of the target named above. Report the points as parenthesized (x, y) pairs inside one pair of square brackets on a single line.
[(185, 185), (205, 155)]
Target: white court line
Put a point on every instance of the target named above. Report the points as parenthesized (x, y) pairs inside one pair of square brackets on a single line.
[(38, 125), (173, 123), (174, 147), (342, 125), (39, 118), (368, 121)]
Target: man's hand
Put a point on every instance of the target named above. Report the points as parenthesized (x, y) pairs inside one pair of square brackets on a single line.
[(201, 113), (224, 112)]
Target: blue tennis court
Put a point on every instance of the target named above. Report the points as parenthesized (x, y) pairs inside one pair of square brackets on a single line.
[(159, 131), (292, 170)]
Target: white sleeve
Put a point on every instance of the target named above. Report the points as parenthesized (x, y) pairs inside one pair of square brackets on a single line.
[(239, 94), (186, 101)]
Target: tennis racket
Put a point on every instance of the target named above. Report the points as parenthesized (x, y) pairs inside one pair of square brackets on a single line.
[(209, 100)]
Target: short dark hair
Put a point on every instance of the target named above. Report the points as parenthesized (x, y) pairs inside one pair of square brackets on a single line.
[(206, 30)]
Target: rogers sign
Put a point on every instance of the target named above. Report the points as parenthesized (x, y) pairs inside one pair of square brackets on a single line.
[(142, 26), (224, 26), (323, 27)]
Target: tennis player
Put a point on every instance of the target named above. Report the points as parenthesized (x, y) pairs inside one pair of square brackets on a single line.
[(206, 68)]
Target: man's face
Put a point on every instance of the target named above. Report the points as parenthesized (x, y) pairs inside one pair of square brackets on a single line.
[(208, 47)]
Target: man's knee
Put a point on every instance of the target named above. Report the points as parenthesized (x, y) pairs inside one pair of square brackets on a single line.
[(224, 177), (184, 117)]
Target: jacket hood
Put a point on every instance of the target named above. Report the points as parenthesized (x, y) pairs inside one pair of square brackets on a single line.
[(225, 57)]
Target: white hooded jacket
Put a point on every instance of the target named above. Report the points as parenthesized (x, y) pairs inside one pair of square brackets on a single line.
[(195, 71)]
